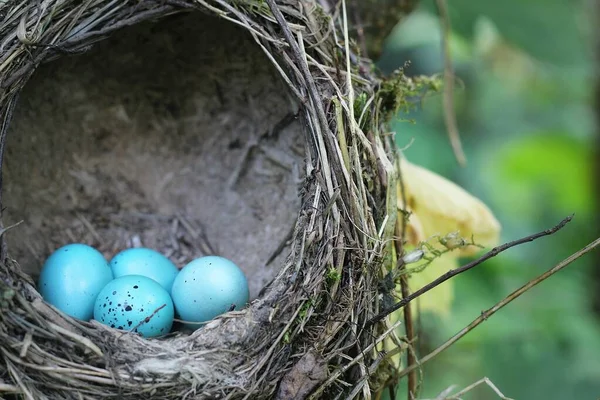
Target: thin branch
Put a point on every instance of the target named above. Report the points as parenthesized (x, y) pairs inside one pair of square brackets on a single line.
[(8, 228), (449, 112), (311, 88), (405, 214), (487, 381), (411, 358), (144, 321), (408, 320), (453, 272), (491, 311)]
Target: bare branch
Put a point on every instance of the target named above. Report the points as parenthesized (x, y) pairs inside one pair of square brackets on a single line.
[(453, 272), (449, 112), (488, 313)]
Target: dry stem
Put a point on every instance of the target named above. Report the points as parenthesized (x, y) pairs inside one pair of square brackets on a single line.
[(449, 112), (491, 311), (453, 272)]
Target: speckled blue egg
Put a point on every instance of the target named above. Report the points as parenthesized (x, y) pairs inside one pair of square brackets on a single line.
[(135, 302), (207, 287), (145, 262), (72, 277)]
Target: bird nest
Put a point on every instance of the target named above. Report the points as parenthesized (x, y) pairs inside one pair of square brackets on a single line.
[(247, 129)]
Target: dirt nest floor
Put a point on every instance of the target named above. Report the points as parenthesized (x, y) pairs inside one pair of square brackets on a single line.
[(178, 136)]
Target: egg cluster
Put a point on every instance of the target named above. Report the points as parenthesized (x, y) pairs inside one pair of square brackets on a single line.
[(140, 289)]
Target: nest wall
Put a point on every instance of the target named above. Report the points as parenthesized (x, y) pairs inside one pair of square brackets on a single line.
[(248, 129)]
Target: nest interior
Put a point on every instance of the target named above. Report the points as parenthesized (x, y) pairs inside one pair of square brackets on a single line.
[(177, 135)]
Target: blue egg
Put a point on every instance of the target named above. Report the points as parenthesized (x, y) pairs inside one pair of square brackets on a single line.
[(207, 287), (135, 303), (145, 262), (72, 277)]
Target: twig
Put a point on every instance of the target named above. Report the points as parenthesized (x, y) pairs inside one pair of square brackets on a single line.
[(405, 290), (312, 92), (472, 386), (203, 244), (87, 343), (449, 112), (267, 355), (410, 337), (90, 227), (404, 201), (342, 369), (145, 320), (491, 311), (348, 71), (26, 344), (4, 230), (17, 379), (453, 272), (241, 165), (408, 320), (6, 388), (445, 393)]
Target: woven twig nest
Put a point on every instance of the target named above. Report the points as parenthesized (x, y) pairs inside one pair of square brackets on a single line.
[(194, 128)]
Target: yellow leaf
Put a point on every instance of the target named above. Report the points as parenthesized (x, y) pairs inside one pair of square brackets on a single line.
[(441, 207), (414, 228), (439, 299), (437, 206)]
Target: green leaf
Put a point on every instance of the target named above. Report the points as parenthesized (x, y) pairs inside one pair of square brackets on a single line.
[(542, 172), (549, 30)]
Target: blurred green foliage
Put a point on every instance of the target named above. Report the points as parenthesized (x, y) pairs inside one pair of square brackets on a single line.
[(523, 102)]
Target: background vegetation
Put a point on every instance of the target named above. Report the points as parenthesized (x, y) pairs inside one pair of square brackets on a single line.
[(524, 107)]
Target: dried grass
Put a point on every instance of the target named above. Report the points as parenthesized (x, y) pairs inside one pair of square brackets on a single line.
[(308, 325)]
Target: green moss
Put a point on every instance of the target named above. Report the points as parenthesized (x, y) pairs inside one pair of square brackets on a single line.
[(398, 92), (333, 276)]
